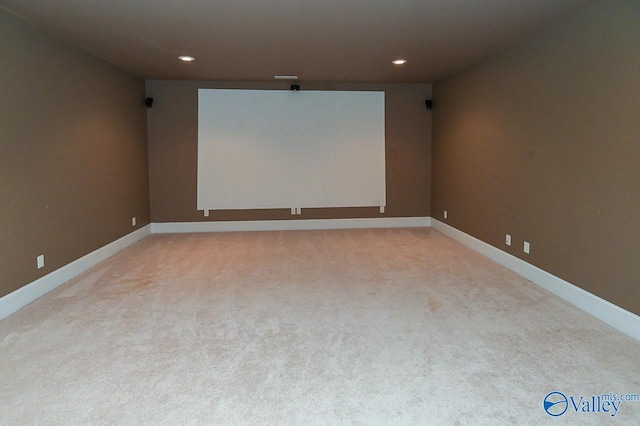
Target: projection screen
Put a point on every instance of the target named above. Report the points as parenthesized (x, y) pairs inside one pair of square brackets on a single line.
[(264, 149)]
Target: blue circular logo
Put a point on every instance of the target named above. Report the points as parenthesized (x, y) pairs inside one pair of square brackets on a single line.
[(555, 404)]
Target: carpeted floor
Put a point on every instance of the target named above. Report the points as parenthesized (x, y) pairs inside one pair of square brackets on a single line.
[(359, 327)]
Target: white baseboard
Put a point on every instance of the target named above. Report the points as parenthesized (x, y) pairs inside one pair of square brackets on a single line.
[(615, 316), (289, 225), (20, 298), (618, 318)]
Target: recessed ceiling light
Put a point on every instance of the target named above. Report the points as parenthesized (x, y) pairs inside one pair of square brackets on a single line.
[(186, 58), (285, 77), (399, 61)]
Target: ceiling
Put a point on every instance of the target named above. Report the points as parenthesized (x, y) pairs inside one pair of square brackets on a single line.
[(318, 40)]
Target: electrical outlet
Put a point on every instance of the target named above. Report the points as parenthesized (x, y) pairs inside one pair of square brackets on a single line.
[(508, 240), (40, 261), (527, 247), (133, 221), (446, 214)]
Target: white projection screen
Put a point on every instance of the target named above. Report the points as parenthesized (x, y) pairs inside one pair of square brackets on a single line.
[(264, 149)]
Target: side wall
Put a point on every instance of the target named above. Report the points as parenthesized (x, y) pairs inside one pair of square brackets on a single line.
[(543, 142), (173, 152), (73, 153)]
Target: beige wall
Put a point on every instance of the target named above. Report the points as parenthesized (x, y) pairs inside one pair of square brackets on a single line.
[(173, 147), (543, 142), (73, 154)]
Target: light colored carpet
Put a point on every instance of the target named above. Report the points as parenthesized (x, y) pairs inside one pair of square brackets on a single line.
[(387, 326)]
